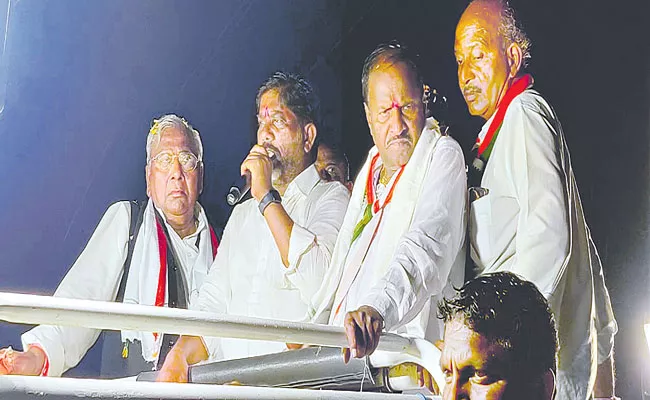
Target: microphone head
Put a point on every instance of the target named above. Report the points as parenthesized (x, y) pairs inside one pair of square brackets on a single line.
[(234, 195)]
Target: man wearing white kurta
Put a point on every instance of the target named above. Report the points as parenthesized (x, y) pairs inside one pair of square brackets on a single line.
[(174, 175), (527, 216), (402, 238), (276, 246)]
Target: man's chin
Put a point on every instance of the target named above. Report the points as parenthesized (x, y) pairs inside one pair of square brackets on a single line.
[(177, 207)]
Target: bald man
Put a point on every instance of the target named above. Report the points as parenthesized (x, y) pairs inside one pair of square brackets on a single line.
[(525, 203)]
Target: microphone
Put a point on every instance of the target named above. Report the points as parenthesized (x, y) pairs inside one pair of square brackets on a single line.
[(237, 193)]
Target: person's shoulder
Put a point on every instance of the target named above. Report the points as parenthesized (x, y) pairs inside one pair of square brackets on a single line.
[(327, 192), (531, 101), (120, 209), (449, 147), (334, 188), (244, 209)]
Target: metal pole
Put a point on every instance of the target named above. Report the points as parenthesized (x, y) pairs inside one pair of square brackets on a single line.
[(43, 388)]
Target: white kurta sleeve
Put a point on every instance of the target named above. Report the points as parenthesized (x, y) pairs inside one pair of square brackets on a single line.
[(543, 231), (311, 245), (216, 292), (426, 252), (94, 276)]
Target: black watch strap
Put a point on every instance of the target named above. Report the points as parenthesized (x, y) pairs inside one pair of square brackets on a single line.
[(271, 197)]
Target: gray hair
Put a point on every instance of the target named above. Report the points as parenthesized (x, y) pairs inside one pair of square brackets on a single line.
[(511, 32), (173, 121)]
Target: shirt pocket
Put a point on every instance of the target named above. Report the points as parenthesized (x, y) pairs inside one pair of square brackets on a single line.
[(480, 227)]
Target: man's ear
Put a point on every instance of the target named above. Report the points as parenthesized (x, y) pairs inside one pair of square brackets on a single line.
[(515, 59), (368, 116), (200, 178), (367, 110), (146, 178), (309, 136), (548, 385)]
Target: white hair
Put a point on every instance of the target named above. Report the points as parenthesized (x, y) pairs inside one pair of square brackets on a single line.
[(511, 32), (173, 121)]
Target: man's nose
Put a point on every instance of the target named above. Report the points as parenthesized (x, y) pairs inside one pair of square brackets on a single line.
[(397, 123), (176, 169), (465, 74), (264, 134)]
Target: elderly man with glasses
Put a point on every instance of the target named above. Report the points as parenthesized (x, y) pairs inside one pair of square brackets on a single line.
[(153, 253)]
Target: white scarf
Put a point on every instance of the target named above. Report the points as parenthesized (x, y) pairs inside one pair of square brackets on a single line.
[(397, 219)]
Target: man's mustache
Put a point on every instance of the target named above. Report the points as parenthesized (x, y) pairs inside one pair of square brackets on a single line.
[(272, 151), (403, 135), (470, 89)]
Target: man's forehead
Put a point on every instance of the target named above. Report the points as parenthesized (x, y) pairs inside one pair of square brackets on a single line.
[(271, 105), (172, 138), (480, 19), (388, 77), (467, 347)]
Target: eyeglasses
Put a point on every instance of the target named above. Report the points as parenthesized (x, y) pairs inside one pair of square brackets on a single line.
[(165, 160)]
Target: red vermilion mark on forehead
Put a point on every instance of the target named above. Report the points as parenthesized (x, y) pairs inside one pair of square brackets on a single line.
[(265, 112), (395, 104)]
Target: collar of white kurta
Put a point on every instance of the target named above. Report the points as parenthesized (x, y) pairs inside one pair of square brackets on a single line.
[(142, 284), (396, 220), (304, 182)]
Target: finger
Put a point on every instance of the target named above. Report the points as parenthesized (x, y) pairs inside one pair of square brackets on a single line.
[(249, 165), (370, 334), (376, 333), (420, 377), (5, 369), (363, 335), (439, 344), (257, 149), (350, 326), (428, 381), (346, 354)]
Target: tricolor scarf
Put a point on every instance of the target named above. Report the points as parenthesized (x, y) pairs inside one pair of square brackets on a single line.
[(373, 205), (484, 147)]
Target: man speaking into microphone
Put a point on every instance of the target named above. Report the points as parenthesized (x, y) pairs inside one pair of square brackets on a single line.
[(277, 245)]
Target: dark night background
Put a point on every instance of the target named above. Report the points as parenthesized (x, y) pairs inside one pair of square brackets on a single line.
[(85, 78)]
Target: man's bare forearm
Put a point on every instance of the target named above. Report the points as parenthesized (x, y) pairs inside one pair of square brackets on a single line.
[(280, 224)]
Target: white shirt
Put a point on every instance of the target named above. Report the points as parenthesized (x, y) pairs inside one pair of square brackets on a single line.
[(531, 223), (248, 276), (96, 273), (429, 259)]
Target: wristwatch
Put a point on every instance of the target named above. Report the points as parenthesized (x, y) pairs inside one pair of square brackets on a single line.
[(271, 197)]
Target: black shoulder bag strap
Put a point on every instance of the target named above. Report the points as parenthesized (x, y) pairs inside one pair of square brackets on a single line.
[(137, 214)]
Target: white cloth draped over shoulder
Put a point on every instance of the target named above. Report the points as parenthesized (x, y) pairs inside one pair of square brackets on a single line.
[(531, 223), (96, 275), (418, 249)]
